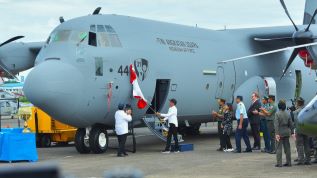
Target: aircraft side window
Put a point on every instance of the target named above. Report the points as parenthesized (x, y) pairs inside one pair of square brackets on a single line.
[(114, 40), (92, 41), (51, 38), (99, 66), (93, 28), (109, 29), (103, 39), (100, 28)]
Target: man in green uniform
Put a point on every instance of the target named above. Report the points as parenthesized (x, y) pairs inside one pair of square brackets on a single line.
[(270, 117), (263, 125), (283, 129), (219, 117), (302, 140)]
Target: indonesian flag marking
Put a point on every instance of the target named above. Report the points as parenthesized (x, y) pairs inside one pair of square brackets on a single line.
[(137, 93)]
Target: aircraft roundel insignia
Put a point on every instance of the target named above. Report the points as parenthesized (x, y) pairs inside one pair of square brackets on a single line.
[(141, 67)]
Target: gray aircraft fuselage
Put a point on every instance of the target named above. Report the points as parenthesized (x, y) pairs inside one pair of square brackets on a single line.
[(81, 84)]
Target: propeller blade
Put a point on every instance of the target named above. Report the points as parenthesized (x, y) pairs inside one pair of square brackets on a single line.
[(311, 21), (273, 39), (11, 40), (290, 61), (268, 52), (287, 13)]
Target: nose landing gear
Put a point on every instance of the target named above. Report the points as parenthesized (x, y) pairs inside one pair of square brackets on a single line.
[(93, 139)]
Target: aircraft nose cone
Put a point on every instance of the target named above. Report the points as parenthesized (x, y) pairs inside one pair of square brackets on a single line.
[(56, 88)]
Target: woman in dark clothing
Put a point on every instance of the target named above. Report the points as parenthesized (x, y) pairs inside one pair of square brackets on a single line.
[(227, 128)]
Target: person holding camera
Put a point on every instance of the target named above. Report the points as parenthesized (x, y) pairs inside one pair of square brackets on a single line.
[(284, 128), (122, 119), (302, 140)]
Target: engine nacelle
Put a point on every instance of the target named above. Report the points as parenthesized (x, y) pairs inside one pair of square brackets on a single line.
[(17, 57)]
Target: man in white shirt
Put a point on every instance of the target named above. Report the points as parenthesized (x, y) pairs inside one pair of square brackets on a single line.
[(171, 117), (121, 127)]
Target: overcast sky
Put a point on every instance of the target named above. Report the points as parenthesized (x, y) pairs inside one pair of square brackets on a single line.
[(36, 18)]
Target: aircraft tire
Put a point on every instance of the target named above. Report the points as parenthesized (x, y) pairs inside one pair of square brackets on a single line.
[(45, 141), (98, 140), (80, 145)]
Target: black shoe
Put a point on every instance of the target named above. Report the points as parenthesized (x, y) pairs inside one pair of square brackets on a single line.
[(315, 161), (287, 165), (247, 151), (272, 152), (120, 155), (125, 154), (277, 165), (236, 151), (295, 160), (307, 163), (299, 164)]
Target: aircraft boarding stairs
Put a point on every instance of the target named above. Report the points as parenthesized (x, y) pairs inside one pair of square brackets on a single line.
[(158, 128)]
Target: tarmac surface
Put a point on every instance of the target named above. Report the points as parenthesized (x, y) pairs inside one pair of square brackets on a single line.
[(204, 161)]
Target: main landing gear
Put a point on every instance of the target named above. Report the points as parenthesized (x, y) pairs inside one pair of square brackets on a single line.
[(93, 139)]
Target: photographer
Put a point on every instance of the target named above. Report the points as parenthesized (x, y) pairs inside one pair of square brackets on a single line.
[(302, 140)]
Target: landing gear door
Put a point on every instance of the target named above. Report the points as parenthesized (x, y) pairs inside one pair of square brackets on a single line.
[(226, 81)]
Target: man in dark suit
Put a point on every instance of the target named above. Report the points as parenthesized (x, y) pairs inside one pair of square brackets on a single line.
[(254, 117)]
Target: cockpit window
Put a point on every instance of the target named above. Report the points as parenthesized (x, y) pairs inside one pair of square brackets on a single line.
[(92, 41), (103, 39), (62, 35), (110, 29), (100, 28), (98, 35), (114, 39), (79, 37), (93, 28)]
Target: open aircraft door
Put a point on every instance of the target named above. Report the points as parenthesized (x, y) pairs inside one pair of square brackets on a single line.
[(226, 81)]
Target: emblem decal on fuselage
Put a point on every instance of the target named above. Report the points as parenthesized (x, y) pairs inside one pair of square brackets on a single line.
[(141, 68)]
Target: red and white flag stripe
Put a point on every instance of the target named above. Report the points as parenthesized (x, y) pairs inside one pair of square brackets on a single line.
[(137, 93)]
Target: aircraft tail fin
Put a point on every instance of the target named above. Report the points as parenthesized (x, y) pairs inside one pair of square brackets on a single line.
[(310, 8)]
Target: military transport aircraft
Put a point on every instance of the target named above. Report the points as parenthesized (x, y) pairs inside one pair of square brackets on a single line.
[(81, 73)]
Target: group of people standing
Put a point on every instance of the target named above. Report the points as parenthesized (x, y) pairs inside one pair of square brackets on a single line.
[(274, 121), (124, 115)]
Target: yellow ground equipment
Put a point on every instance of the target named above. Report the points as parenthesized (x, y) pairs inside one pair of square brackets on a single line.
[(49, 130)]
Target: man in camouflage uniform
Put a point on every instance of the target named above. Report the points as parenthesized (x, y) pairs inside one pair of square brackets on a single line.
[(219, 117), (302, 140), (270, 117)]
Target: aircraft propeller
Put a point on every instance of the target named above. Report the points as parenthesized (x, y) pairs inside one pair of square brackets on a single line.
[(2, 66), (11, 40), (299, 37)]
